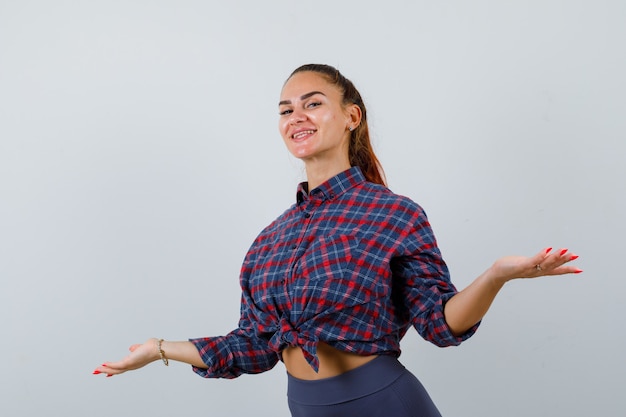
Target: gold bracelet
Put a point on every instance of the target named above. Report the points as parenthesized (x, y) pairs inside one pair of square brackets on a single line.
[(162, 354)]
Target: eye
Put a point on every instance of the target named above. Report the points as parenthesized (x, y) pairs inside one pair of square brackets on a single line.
[(285, 112), (313, 104)]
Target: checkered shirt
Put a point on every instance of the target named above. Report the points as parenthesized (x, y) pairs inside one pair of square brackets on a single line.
[(350, 264)]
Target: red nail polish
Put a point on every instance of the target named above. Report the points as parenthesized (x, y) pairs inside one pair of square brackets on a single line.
[(96, 372), (573, 257), (563, 252), (578, 271), (109, 375), (548, 250)]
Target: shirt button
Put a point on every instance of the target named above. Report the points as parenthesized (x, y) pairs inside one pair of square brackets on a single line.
[(307, 215), (294, 247)]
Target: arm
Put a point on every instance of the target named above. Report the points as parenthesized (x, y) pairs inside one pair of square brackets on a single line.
[(211, 357), (241, 351), (468, 307)]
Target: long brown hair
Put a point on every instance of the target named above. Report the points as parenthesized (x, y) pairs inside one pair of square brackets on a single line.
[(360, 149)]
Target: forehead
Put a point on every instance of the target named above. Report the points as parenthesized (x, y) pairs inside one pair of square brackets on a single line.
[(304, 82)]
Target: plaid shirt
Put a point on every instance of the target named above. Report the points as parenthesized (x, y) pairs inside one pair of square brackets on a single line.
[(350, 264)]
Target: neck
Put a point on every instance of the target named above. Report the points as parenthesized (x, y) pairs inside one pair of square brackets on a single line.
[(318, 172)]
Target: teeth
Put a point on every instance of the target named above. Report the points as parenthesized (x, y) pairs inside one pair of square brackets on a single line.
[(302, 134)]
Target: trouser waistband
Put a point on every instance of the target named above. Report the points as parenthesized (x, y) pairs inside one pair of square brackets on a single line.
[(359, 382)]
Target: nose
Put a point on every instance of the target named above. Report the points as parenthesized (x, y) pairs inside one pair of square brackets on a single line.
[(296, 117)]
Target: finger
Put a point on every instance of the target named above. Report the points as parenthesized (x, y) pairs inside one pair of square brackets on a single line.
[(563, 270), (556, 263), (113, 367), (558, 258), (542, 255), (106, 369), (538, 262)]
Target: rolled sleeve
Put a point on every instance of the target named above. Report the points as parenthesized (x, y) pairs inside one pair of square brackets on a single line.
[(233, 355), (422, 284)]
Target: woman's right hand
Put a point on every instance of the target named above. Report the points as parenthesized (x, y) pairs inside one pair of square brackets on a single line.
[(140, 356)]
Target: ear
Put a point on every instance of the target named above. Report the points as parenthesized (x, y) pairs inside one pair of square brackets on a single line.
[(354, 115)]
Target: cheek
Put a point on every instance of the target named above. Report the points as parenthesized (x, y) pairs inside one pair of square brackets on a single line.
[(282, 130), (282, 127), (331, 120)]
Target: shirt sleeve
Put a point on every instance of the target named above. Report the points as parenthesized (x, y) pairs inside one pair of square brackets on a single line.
[(239, 352), (422, 285)]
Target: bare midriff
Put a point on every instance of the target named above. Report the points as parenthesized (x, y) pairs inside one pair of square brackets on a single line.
[(333, 362)]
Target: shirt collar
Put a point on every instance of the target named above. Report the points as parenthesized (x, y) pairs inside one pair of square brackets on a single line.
[(331, 188)]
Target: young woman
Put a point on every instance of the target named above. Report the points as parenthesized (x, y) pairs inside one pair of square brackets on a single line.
[(333, 284)]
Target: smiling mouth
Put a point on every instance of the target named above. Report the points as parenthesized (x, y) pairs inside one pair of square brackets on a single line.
[(302, 134)]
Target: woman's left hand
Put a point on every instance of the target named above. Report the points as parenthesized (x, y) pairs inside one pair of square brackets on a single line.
[(546, 262), (467, 307)]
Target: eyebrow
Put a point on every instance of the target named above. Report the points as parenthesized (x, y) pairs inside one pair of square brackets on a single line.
[(302, 97)]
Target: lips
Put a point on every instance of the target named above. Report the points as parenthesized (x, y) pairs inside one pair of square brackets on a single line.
[(302, 134)]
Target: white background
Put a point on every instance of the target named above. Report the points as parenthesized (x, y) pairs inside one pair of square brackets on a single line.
[(139, 157)]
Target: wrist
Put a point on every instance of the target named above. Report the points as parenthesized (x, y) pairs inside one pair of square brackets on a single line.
[(495, 278), (161, 352)]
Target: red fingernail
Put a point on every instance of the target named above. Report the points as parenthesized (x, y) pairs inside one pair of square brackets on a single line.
[(548, 250), (109, 375), (96, 372), (573, 257), (563, 252), (578, 271)]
